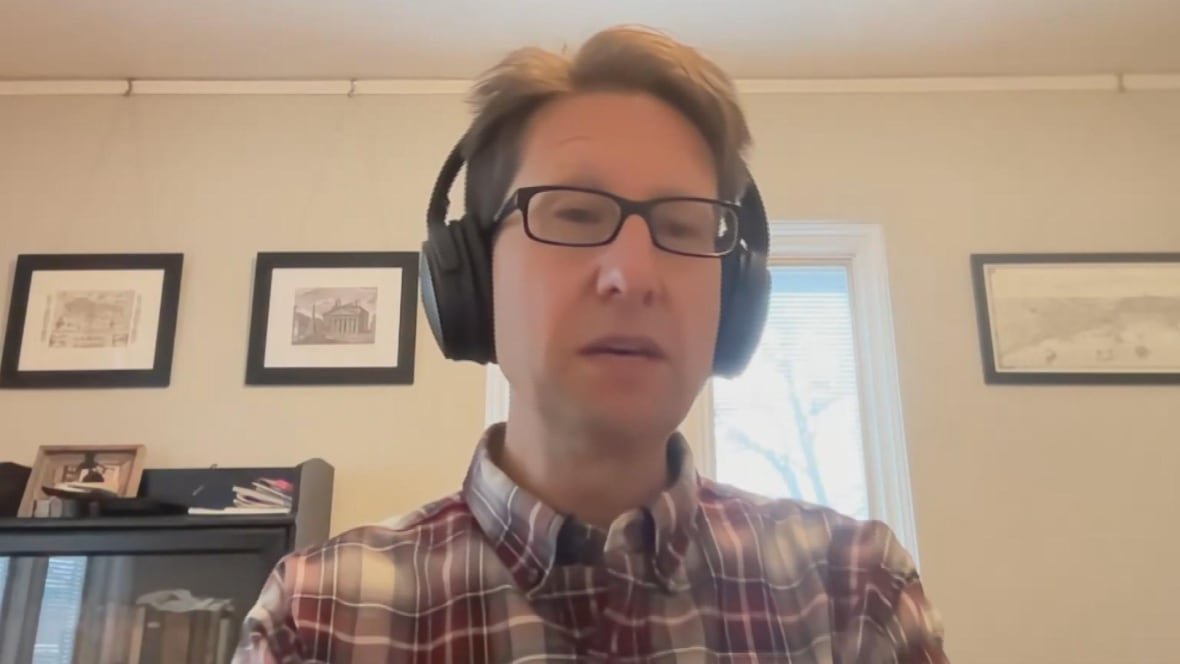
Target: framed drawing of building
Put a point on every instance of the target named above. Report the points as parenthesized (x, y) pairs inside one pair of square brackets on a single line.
[(333, 318), (91, 320)]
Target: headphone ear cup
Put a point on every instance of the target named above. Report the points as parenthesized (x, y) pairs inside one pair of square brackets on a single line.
[(439, 282), (745, 289), (745, 298), (451, 290), (482, 330)]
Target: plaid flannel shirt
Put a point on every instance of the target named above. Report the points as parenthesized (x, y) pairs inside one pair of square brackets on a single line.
[(705, 573)]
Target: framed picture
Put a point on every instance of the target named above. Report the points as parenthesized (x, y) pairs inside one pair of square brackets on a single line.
[(91, 320), (1079, 318), (113, 468), (333, 318)]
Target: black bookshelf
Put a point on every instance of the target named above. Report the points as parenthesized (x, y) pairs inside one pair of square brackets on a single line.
[(94, 570)]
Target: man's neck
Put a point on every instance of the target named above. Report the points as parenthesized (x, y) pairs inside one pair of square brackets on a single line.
[(576, 472)]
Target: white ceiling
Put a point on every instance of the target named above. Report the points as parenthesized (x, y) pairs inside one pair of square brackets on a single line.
[(276, 39)]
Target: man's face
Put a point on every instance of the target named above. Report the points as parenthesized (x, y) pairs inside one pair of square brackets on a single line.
[(566, 316)]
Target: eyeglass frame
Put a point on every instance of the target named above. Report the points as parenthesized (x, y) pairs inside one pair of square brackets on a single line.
[(519, 200)]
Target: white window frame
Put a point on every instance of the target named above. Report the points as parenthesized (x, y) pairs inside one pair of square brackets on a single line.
[(495, 396), (860, 248)]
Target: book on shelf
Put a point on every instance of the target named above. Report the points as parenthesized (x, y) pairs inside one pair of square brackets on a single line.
[(264, 492), (238, 510), (167, 627), (263, 496)]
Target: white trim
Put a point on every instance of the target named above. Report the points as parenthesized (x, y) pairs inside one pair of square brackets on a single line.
[(49, 88), (410, 86), (1151, 82), (887, 471), (1101, 82), (698, 429), (496, 393), (241, 87), (1114, 83)]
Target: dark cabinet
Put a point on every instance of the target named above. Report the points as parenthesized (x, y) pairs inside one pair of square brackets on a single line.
[(141, 590)]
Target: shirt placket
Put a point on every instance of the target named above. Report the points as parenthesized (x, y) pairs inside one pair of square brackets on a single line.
[(625, 565)]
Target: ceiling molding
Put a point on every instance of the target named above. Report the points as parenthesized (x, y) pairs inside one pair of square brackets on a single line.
[(182, 87), (356, 87), (1101, 82), (413, 86), (1151, 82), (92, 87)]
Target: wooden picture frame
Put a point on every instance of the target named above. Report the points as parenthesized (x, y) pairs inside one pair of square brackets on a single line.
[(91, 320), (117, 468), (333, 318), (1078, 318)]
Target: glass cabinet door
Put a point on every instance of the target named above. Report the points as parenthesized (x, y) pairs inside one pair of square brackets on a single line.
[(126, 609)]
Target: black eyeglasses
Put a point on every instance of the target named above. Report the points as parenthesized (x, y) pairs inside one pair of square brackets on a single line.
[(581, 217)]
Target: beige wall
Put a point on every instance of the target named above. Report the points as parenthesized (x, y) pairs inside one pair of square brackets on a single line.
[(1045, 515)]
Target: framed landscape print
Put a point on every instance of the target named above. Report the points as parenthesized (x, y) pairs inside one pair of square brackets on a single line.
[(333, 318), (91, 320), (1079, 318)]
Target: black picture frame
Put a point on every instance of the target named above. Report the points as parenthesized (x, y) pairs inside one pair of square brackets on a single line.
[(401, 372), (1074, 307), (160, 372)]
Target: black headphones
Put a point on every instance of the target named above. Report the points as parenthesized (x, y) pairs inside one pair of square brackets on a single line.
[(456, 281)]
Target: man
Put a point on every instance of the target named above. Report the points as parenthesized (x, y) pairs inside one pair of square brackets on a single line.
[(582, 531)]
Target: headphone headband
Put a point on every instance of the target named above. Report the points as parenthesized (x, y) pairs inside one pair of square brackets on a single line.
[(440, 199), (756, 235)]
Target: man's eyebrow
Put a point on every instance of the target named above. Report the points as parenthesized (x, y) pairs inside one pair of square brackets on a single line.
[(586, 180), (674, 193), (591, 181)]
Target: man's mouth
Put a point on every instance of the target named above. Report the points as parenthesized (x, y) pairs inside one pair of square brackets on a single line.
[(624, 346)]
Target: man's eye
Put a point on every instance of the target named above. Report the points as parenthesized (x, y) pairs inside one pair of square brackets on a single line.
[(580, 215), (675, 228)]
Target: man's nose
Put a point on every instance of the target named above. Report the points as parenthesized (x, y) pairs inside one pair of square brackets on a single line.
[(627, 266)]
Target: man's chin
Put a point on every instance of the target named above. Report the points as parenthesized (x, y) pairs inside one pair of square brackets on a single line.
[(637, 411), (628, 419)]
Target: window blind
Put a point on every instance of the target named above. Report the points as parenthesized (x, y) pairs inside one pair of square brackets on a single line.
[(790, 425), (61, 603)]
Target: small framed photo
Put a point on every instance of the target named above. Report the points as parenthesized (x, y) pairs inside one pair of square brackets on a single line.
[(1079, 318), (333, 318), (113, 469), (91, 320)]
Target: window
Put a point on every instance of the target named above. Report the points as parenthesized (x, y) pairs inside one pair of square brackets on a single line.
[(817, 414), (789, 426)]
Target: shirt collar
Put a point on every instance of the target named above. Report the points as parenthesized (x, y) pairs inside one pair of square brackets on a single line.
[(526, 533)]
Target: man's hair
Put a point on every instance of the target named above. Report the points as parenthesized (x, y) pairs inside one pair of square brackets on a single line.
[(620, 59)]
